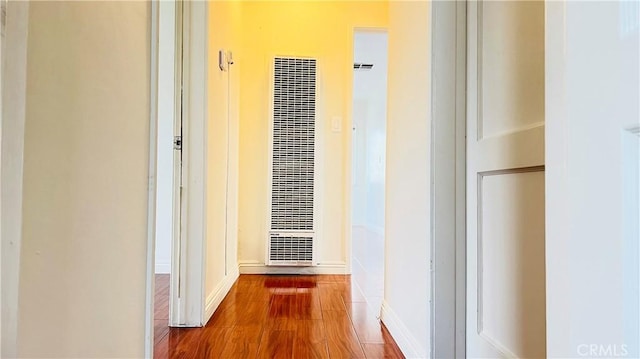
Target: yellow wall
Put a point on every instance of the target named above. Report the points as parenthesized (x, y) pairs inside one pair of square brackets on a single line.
[(223, 95), (86, 164), (323, 30)]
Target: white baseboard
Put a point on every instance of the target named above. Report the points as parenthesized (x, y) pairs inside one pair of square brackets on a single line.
[(403, 337), (217, 295), (255, 267), (163, 268)]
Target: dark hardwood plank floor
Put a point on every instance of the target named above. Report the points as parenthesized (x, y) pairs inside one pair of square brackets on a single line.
[(292, 317)]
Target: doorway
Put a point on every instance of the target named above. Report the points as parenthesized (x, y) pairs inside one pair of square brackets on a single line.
[(177, 191), (369, 114)]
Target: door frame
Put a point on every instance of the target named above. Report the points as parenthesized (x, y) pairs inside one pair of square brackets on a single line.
[(351, 143), (191, 244), (448, 184)]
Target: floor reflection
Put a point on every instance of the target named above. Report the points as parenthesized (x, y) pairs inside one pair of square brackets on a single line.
[(285, 317)]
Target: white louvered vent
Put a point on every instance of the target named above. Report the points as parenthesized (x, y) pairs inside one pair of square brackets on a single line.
[(293, 162), (291, 250)]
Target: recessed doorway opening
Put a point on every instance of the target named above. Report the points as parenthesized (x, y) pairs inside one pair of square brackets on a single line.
[(369, 119)]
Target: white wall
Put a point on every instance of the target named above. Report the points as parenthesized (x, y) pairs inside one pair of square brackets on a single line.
[(592, 100), (166, 115), (369, 137), (407, 233), (86, 160), (13, 121)]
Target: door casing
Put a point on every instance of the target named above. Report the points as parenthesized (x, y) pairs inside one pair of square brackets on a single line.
[(448, 187), (190, 245)]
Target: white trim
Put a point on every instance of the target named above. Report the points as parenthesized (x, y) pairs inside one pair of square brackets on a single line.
[(270, 67), (320, 175), (218, 294), (3, 12), (557, 185), (163, 268), (198, 252), (151, 204), (407, 343), (14, 68), (256, 267), (448, 186), (193, 246), (461, 183), (176, 305), (169, 77)]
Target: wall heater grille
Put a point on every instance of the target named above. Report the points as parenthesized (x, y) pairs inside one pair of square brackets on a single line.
[(293, 160), (293, 250)]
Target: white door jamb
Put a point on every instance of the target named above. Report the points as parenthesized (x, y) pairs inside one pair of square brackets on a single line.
[(193, 239), (448, 189)]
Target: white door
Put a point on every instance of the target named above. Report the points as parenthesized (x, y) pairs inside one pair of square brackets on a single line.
[(505, 180), (593, 182)]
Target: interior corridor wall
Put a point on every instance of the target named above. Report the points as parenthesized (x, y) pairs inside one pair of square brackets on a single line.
[(319, 29), (407, 227), (222, 152), (86, 161)]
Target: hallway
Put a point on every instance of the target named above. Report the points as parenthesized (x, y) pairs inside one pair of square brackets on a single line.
[(281, 317)]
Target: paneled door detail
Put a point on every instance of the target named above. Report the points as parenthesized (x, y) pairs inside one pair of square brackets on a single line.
[(505, 180)]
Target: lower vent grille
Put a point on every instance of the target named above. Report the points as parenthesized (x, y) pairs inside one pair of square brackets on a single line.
[(290, 250)]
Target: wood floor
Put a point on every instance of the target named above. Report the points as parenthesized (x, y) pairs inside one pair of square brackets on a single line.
[(279, 317), (161, 309)]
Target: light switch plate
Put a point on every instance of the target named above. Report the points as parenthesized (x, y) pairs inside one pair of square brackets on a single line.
[(222, 60)]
